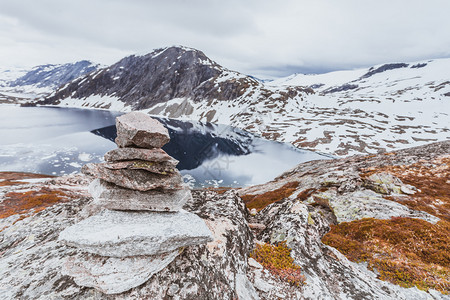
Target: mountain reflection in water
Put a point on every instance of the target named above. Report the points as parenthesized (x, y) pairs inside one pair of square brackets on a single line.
[(219, 155)]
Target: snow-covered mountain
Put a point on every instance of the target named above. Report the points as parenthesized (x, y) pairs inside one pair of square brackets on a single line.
[(342, 113), (166, 75), (21, 85)]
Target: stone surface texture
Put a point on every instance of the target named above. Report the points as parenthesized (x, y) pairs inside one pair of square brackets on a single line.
[(140, 130), (139, 180), (365, 203), (163, 168), (121, 234), (112, 275), (111, 196), (155, 155)]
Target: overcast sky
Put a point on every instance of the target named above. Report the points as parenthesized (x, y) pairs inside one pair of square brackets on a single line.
[(257, 37)]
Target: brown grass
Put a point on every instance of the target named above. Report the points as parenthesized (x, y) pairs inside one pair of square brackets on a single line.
[(277, 259), (304, 195), (219, 190), (10, 178), (31, 201), (262, 200), (405, 251)]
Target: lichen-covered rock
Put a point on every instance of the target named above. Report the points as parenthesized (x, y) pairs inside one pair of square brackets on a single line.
[(245, 289), (139, 180), (155, 154), (110, 196), (384, 183), (140, 130), (112, 275), (122, 233), (365, 204)]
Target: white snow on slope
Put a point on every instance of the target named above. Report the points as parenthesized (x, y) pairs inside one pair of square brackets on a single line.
[(327, 79)]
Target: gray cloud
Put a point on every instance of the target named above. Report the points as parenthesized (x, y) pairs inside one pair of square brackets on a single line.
[(263, 38)]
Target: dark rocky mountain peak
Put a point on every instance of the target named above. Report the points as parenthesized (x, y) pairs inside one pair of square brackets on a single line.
[(162, 75)]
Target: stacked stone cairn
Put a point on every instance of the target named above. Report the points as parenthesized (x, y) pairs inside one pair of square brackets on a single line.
[(141, 227)]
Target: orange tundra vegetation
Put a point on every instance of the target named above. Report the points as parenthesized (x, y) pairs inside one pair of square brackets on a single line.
[(277, 259), (433, 181), (405, 251), (262, 200), (23, 203)]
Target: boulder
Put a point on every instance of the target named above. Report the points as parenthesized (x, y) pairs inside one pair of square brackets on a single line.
[(112, 275), (111, 196), (155, 155), (366, 204), (140, 130), (384, 183), (121, 234), (139, 180)]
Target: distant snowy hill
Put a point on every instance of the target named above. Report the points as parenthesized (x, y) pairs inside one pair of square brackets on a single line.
[(343, 113), (24, 85), (10, 74), (54, 75), (384, 107)]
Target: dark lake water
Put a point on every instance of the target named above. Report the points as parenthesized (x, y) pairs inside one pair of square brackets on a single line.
[(58, 141)]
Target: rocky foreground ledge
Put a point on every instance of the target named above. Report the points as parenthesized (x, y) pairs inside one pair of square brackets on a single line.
[(326, 215)]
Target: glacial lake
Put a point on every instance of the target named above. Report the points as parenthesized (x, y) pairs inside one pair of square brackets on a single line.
[(58, 141)]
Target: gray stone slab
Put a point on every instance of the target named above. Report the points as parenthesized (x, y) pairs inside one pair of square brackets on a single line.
[(122, 233), (140, 130), (139, 180), (155, 155), (111, 196), (112, 275), (163, 168)]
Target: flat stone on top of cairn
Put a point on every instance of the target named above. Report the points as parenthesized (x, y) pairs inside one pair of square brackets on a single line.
[(140, 130)]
